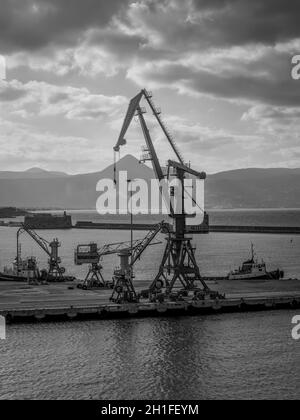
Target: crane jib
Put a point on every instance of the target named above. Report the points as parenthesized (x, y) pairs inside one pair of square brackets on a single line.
[(134, 104)]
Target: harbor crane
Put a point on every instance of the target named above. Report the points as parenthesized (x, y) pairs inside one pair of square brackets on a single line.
[(92, 255), (89, 254), (124, 290), (55, 272), (129, 252), (179, 265)]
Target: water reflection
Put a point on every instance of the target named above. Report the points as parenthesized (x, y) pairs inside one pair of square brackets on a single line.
[(228, 356)]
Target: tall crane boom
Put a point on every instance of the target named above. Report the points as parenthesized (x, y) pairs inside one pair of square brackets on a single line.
[(179, 265), (134, 107), (38, 239), (143, 245), (157, 113), (153, 156)]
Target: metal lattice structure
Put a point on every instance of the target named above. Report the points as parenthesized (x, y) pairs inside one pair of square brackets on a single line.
[(55, 271), (124, 290), (179, 266), (92, 255)]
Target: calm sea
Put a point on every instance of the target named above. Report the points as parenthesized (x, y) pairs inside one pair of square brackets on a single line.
[(222, 356)]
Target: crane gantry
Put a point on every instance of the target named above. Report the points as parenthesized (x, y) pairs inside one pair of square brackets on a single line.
[(129, 253), (179, 265)]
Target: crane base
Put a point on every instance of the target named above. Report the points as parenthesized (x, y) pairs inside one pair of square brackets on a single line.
[(178, 265)]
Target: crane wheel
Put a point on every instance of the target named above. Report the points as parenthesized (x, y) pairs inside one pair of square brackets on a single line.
[(159, 285), (119, 289)]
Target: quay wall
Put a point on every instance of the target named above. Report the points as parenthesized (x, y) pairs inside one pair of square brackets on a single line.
[(107, 310)]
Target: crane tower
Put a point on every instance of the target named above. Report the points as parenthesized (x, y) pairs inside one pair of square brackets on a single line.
[(179, 266)]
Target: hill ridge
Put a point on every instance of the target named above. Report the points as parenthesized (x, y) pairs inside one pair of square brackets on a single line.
[(244, 188)]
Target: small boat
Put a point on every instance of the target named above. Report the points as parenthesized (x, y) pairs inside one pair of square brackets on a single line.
[(253, 270), (22, 270), (26, 270)]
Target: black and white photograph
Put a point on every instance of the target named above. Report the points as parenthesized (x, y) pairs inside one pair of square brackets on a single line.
[(149, 203)]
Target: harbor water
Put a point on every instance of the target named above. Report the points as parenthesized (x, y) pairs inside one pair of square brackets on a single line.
[(201, 357), (224, 356)]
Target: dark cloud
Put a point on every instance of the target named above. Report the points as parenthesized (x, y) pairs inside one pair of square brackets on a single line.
[(190, 25), (158, 40), (241, 21), (271, 86), (116, 42), (33, 24)]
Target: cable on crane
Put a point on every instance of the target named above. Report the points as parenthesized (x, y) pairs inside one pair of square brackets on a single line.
[(115, 167), (194, 201)]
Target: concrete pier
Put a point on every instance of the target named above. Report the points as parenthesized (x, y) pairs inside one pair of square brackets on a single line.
[(278, 230), (19, 302)]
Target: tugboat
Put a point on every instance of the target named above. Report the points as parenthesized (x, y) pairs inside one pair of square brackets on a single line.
[(27, 271), (21, 270), (253, 270)]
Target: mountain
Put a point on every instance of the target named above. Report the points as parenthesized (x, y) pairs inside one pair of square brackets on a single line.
[(33, 173), (254, 188), (73, 191), (245, 188)]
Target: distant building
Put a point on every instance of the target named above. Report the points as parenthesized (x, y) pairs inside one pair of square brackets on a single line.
[(48, 221), (11, 212)]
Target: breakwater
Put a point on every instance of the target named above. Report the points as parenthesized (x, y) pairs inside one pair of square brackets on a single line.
[(256, 229), (195, 229)]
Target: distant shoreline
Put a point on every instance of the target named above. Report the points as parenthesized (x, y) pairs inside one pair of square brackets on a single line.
[(207, 210)]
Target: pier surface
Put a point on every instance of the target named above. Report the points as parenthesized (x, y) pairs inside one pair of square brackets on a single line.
[(19, 301)]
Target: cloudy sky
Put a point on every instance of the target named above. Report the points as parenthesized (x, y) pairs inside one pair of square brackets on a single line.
[(219, 69)]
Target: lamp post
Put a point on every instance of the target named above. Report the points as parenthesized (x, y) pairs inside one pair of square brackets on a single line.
[(131, 219)]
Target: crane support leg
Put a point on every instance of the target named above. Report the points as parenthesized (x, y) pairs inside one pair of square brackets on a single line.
[(178, 267), (94, 278), (124, 291), (55, 273)]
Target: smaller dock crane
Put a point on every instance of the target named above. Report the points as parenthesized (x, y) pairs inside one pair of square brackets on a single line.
[(124, 291), (92, 255), (55, 272), (89, 255), (128, 252)]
